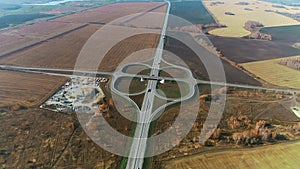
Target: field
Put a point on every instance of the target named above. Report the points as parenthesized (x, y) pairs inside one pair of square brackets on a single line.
[(109, 12), (26, 35), (251, 105), (246, 50), (196, 14), (272, 72), (27, 89), (290, 34), (53, 53), (236, 22), (275, 156), (26, 139), (233, 75), (36, 138), (62, 51), (152, 18)]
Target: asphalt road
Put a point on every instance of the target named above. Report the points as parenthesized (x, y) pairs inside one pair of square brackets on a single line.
[(139, 145)]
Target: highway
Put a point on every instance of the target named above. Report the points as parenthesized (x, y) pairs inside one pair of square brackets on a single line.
[(139, 145)]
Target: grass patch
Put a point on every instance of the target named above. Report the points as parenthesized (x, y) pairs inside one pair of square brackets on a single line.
[(137, 69), (173, 89), (130, 85), (173, 73)]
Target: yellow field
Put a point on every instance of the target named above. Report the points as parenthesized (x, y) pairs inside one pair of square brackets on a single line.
[(267, 157), (236, 23), (272, 72)]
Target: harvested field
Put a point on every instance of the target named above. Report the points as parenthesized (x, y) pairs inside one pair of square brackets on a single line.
[(126, 48), (272, 72), (192, 11), (268, 157), (152, 18), (41, 29), (63, 51), (109, 12), (60, 52), (26, 35), (235, 23), (246, 50), (27, 89), (233, 75)]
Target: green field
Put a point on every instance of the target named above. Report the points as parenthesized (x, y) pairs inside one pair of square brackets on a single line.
[(192, 11), (284, 33)]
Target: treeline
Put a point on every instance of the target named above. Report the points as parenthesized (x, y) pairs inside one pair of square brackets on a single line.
[(291, 62), (8, 20)]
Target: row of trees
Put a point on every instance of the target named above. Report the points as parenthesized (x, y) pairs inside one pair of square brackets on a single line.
[(291, 62)]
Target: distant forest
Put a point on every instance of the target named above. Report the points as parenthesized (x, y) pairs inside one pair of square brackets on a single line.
[(6, 21), (286, 2)]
